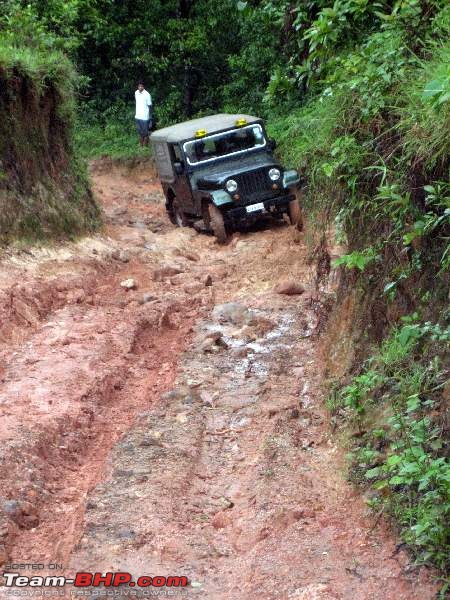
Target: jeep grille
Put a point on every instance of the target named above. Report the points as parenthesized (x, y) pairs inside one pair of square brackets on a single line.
[(254, 184)]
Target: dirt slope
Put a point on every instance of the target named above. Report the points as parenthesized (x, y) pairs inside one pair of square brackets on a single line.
[(177, 427)]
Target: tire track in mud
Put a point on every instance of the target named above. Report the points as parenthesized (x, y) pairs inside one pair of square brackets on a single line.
[(86, 357), (50, 466), (232, 480)]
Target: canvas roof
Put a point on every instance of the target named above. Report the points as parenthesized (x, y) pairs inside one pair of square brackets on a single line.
[(186, 130)]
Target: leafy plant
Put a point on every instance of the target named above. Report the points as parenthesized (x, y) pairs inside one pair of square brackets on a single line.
[(412, 474), (357, 260)]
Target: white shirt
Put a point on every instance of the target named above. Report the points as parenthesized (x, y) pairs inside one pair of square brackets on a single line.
[(143, 103)]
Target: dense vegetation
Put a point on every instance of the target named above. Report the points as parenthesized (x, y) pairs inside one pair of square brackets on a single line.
[(44, 190), (358, 95)]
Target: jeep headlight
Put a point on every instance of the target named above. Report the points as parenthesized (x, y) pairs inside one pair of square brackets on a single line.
[(274, 174), (231, 186)]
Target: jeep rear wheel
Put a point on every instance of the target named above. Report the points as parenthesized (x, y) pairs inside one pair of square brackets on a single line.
[(217, 224), (179, 218), (295, 214)]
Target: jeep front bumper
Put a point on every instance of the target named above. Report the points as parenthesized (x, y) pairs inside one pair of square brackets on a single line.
[(272, 206)]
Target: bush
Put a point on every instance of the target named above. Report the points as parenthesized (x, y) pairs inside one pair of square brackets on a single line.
[(406, 460), (44, 190), (111, 132)]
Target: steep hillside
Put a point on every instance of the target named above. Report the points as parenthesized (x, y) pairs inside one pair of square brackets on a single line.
[(372, 141), (44, 191)]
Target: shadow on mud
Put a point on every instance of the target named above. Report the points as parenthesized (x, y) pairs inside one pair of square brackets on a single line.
[(262, 224)]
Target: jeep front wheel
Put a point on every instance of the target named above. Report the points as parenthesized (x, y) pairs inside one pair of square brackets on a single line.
[(295, 214), (217, 224)]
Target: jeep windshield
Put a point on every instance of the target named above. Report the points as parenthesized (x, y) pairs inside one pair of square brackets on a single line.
[(230, 143)]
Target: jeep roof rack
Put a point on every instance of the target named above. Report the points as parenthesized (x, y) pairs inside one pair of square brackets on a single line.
[(187, 130)]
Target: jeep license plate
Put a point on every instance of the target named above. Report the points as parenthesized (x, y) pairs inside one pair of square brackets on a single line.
[(255, 207)]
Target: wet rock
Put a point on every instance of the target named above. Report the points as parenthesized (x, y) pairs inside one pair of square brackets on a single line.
[(196, 584), (124, 256), (212, 342), (23, 514), (221, 520), (192, 256), (147, 297), (166, 271), (242, 244), (220, 273), (241, 352), (128, 284), (150, 440), (289, 287), (209, 346), (193, 288), (261, 325), (121, 255), (295, 413), (124, 533), (76, 296), (231, 312)]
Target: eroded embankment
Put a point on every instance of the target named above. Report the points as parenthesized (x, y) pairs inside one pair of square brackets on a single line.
[(44, 191)]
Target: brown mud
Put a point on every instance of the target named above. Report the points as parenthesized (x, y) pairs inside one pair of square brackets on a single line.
[(178, 427)]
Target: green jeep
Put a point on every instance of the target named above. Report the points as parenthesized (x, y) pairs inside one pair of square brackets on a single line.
[(219, 172)]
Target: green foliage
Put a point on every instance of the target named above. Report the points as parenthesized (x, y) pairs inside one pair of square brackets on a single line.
[(44, 189), (406, 461), (425, 117), (108, 133), (352, 395), (358, 260)]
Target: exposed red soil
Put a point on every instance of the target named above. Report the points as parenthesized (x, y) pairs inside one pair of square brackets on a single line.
[(131, 441)]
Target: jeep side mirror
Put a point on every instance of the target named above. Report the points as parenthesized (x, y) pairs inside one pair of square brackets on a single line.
[(178, 166), (271, 144)]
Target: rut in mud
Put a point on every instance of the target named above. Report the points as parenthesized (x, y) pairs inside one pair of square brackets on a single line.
[(177, 427)]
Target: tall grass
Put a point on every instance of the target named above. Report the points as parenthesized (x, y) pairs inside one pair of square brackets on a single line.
[(109, 133)]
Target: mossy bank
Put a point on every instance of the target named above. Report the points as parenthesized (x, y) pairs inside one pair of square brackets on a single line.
[(44, 189), (372, 141)]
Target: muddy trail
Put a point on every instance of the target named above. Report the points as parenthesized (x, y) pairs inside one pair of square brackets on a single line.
[(162, 414)]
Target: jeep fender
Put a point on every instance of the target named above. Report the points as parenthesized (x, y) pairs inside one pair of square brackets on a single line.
[(221, 197), (290, 178)]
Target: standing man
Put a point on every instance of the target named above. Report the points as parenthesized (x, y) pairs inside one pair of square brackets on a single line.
[(143, 113)]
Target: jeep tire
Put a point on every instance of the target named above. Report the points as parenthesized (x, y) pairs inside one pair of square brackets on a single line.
[(178, 216), (295, 214), (217, 224)]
